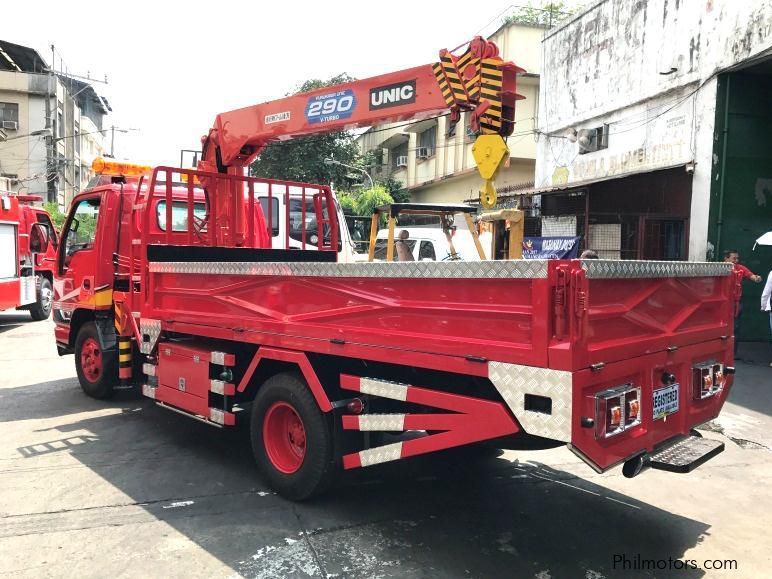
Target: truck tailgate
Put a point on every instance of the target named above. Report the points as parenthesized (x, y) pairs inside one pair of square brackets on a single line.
[(617, 310)]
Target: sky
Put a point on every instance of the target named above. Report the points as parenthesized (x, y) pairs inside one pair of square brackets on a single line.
[(172, 66)]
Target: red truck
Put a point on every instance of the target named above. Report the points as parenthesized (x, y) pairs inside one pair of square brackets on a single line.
[(167, 279), (28, 245)]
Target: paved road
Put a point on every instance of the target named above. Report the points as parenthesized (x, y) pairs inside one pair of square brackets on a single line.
[(126, 489)]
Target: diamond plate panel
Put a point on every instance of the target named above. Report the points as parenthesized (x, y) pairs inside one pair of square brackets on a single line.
[(514, 381), (686, 451), (148, 369), (148, 391), (602, 268), (523, 269), (381, 454), (382, 422), (151, 328), (383, 389)]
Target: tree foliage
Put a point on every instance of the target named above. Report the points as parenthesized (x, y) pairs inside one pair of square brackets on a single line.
[(548, 14), (302, 159), (397, 190), (347, 203), (368, 200), (57, 217)]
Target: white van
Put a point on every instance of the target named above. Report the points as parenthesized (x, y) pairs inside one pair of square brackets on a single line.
[(278, 220), (429, 244)]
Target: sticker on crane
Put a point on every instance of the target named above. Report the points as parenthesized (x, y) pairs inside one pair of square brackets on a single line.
[(277, 117), (334, 106), (392, 95)]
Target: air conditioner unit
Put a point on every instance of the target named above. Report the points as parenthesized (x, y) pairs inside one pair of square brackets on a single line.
[(11, 125), (402, 161), (591, 140), (423, 152)]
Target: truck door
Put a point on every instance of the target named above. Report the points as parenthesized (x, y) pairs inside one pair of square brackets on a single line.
[(83, 272), (46, 258)]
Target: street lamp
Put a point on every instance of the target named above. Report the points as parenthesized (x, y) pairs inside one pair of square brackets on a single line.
[(42, 132), (365, 173)]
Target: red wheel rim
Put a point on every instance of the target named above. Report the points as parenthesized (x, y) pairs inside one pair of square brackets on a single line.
[(91, 360), (284, 437)]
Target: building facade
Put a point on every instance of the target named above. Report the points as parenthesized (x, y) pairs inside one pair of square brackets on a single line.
[(437, 168), (655, 114), (52, 126)]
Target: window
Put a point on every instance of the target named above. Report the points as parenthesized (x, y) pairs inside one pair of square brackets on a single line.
[(9, 112), (426, 252), (427, 142), (274, 214), (179, 214), (82, 227), (398, 156), (76, 139), (311, 228), (60, 123), (470, 134), (381, 245)]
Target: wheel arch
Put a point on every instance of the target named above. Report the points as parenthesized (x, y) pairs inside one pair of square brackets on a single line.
[(269, 361), (105, 325)]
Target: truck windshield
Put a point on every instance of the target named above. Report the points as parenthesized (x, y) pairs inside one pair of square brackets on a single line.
[(179, 214)]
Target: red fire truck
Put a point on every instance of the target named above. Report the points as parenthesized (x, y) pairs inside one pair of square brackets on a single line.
[(167, 278), (28, 244)]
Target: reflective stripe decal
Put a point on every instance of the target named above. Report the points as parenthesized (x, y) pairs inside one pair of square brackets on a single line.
[(384, 389), (466, 420), (381, 454), (382, 422)]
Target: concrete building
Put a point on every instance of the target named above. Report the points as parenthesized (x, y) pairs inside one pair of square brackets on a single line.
[(435, 168), (655, 131), (51, 126)]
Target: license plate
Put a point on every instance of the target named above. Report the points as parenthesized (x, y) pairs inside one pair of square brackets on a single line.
[(665, 401)]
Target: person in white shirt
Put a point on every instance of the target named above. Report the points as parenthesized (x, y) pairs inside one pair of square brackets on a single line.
[(766, 301)]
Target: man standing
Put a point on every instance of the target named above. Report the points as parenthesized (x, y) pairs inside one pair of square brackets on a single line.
[(733, 256), (766, 301)]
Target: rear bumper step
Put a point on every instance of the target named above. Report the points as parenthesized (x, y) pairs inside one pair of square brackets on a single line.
[(686, 454)]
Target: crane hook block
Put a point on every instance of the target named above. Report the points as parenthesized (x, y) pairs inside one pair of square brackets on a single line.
[(490, 152), (488, 194)]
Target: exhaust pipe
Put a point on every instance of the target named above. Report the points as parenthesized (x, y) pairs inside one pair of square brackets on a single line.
[(636, 465)]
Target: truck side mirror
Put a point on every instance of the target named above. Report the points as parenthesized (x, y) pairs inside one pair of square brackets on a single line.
[(38, 238)]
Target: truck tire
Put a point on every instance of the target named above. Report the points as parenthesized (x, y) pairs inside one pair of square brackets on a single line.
[(41, 309), (97, 370), (291, 439)]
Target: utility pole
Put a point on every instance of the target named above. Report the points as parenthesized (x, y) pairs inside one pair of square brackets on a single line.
[(113, 129), (51, 168)]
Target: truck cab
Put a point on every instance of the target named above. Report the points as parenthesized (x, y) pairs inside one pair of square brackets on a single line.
[(289, 224), (96, 253), (28, 243)]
